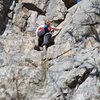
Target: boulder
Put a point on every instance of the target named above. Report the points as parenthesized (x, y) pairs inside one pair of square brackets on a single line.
[(56, 10)]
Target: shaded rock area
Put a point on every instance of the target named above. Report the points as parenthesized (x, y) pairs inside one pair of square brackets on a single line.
[(4, 9), (69, 70), (69, 3)]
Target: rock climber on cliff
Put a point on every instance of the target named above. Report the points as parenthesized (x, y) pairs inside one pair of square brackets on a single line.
[(44, 34)]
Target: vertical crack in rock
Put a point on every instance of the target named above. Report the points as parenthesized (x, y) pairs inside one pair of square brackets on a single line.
[(46, 5)]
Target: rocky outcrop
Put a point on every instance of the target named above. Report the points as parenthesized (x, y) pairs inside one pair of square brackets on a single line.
[(40, 4), (56, 10), (69, 70), (1, 16), (4, 9)]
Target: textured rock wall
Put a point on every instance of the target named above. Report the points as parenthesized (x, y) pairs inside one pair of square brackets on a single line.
[(69, 70), (1, 15), (4, 9)]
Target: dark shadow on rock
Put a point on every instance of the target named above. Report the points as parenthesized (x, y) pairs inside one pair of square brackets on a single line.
[(52, 42), (70, 33), (97, 74), (58, 21), (97, 37), (85, 36), (5, 19), (31, 6), (69, 3), (37, 48)]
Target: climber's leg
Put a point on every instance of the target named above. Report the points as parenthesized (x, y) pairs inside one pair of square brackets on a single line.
[(46, 40)]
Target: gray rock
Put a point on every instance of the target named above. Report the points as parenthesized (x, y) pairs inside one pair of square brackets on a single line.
[(38, 3), (56, 10), (69, 70), (10, 15), (31, 21), (13, 5)]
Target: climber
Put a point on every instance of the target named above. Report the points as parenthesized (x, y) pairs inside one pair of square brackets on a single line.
[(44, 34)]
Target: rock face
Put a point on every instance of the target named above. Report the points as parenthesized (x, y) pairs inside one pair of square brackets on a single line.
[(1, 15), (4, 8), (69, 70), (56, 10)]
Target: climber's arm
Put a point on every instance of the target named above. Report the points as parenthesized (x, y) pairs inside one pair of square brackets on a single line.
[(54, 29)]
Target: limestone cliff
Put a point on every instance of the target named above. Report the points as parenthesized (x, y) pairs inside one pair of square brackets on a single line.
[(69, 70)]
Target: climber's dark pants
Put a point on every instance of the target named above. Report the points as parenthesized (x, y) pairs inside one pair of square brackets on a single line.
[(44, 39)]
